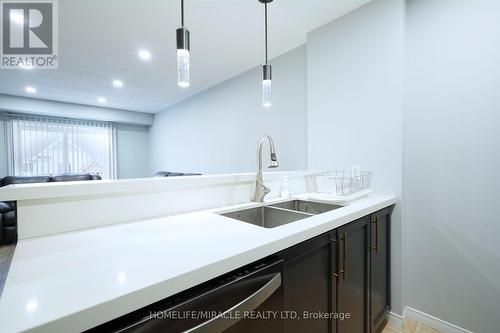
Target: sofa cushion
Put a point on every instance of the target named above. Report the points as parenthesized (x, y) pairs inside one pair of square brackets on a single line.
[(5, 207), (9, 180), (162, 174), (174, 174), (71, 177), (9, 219), (9, 235)]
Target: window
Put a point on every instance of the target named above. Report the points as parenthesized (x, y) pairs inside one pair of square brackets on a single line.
[(47, 146)]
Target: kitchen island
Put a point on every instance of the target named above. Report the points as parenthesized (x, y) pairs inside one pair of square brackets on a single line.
[(73, 281)]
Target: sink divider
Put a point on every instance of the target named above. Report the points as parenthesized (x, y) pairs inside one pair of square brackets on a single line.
[(289, 210)]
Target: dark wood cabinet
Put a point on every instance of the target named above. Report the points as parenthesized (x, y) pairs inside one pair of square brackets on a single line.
[(380, 268), (346, 272), (353, 281), (306, 284)]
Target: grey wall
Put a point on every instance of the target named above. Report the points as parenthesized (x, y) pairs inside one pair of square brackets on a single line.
[(450, 163), (354, 102), (217, 130), (132, 145)]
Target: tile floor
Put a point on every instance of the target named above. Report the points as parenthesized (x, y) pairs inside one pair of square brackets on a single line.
[(410, 326)]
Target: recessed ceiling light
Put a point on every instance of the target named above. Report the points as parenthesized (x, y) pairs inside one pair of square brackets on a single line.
[(144, 54), (118, 83), (122, 278), (102, 100), (30, 89), (32, 305)]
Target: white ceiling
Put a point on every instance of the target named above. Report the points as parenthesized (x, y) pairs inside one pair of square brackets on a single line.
[(99, 41)]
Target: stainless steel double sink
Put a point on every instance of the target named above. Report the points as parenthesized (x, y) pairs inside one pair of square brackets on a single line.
[(275, 215)]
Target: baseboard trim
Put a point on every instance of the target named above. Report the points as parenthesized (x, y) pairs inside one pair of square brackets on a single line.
[(432, 321), (395, 320)]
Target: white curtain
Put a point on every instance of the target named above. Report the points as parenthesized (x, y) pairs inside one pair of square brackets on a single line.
[(49, 146)]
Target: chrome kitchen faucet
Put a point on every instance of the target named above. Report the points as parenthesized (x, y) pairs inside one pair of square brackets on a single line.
[(260, 188)]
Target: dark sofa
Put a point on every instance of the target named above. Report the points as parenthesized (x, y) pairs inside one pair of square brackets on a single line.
[(8, 218), (174, 174)]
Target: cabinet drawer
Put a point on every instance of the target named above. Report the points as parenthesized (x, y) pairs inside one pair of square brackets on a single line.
[(302, 249)]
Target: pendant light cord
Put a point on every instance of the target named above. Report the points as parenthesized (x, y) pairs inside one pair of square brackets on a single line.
[(265, 12), (182, 13)]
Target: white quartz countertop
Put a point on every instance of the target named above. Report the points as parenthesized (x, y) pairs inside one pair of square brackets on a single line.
[(75, 281)]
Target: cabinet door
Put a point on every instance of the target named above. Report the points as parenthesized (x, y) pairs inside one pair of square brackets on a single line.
[(380, 268), (353, 282), (306, 284)]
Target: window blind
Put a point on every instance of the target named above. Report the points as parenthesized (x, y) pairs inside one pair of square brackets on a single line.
[(48, 146)]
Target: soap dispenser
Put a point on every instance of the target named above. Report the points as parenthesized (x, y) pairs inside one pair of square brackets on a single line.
[(285, 192)]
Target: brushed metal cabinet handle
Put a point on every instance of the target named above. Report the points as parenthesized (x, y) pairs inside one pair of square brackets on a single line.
[(344, 256), (336, 274), (340, 263), (224, 320), (376, 235)]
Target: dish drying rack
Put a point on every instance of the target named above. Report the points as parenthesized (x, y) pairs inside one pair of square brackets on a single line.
[(338, 183)]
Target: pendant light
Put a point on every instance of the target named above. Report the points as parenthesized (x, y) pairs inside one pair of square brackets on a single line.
[(266, 68), (182, 35)]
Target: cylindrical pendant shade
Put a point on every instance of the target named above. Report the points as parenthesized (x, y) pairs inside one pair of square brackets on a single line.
[(183, 57), (267, 76), (266, 93), (183, 68)]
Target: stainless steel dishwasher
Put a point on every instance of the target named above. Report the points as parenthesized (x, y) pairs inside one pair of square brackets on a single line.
[(249, 299)]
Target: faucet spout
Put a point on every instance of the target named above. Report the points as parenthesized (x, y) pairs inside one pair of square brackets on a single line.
[(260, 188)]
